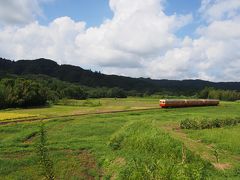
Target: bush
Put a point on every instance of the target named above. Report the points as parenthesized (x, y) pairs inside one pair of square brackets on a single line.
[(207, 123)]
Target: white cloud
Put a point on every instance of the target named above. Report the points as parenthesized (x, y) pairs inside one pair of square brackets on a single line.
[(19, 12), (140, 40), (219, 9), (214, 55), (123, 41), (32, 41)]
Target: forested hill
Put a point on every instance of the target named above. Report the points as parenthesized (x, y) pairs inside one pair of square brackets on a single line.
[(78, 75)]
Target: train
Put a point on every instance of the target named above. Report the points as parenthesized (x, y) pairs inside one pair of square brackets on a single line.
[(165, 103)]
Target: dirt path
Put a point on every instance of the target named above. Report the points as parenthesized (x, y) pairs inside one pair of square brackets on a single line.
[(71, 115), (83, 165), (90, 169), (207, 152)]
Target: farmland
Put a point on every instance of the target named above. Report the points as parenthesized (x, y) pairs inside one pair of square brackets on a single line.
[(82, 139)]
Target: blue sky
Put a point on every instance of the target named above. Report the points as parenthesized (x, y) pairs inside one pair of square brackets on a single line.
[(94, 12), (185, 7), (160, 39)]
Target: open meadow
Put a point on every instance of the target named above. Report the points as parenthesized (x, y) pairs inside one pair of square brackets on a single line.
[(130, 138)]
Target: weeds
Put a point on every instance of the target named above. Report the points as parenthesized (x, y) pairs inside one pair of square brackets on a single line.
[(154, 154), (216, 154), (207, 123), (43, 153)]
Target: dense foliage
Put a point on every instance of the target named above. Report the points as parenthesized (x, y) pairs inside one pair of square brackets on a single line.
[(21, 93), (37, 90), (35, 83), (207, 123), (226, 95), (88, 78)]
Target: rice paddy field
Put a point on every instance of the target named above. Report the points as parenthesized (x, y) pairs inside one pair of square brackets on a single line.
[(11, 116), (117, 139)]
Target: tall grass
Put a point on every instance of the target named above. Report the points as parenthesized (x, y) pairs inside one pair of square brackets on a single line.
[(208, 123), (43, 153), (154, 154)]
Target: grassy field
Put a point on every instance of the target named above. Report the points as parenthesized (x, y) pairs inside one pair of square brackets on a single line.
[(12, 115), (75, 107), (124, 145)]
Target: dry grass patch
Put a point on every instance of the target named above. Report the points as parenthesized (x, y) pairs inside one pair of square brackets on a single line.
[(9, 116)]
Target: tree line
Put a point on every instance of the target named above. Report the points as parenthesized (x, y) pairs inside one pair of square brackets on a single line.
[(82, 77), (226, 95), (41, 90)]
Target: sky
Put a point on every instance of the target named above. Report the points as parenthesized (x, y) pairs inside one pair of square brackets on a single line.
[(158, 39)]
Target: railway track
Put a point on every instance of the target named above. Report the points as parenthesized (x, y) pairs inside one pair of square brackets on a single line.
[(70, 115)]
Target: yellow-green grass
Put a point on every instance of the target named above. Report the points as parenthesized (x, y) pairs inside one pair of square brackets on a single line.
[(226, 138), (12, 115), (75, 107), (68, 137)]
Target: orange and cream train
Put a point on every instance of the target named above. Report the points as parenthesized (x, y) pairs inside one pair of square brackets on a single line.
[(164, 103)]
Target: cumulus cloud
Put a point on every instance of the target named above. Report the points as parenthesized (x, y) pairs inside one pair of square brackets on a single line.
[(19, 12), (214, 54), (140, 40), (135, 33), (219, 9), (54, 41)]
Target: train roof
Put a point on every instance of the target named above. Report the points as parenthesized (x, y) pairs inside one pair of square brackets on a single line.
[(173, 100)]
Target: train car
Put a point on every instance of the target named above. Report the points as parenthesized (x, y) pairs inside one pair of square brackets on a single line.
[(165, 103)]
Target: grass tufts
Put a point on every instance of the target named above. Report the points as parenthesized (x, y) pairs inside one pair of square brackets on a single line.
[(208, 123), (154, 154), (43, 153)]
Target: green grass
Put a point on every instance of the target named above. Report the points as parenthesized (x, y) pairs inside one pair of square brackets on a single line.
[(83, 147), (207, 123), (153, 154), (72, 107), (226, 138)]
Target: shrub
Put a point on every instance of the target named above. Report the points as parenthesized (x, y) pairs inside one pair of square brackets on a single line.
[(207, 123)]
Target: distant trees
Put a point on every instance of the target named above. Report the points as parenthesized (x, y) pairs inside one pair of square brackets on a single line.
[(2, 97), (21, 93), (103, 92), (99, 92), (97, 80), (74, 92), (226, 95), (40, 90), (116, 93)]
